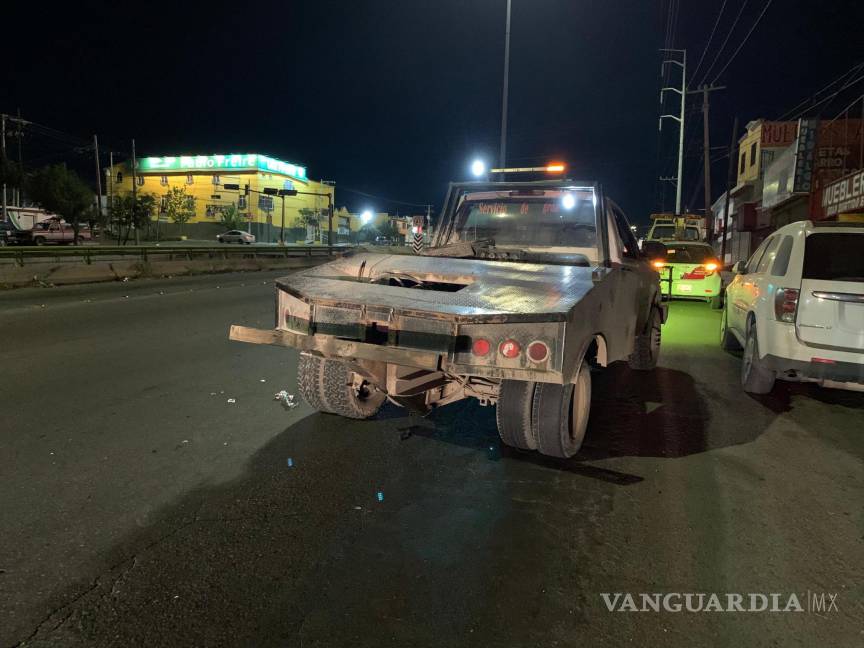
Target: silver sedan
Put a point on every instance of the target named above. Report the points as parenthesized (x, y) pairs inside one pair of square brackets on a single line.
[(236, 236)]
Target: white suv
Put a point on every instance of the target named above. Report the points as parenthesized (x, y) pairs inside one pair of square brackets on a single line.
[(797, 308)]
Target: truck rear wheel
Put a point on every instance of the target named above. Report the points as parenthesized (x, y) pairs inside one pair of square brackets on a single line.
[(513, 414), (329, 385), (560, 415), (646, 350)]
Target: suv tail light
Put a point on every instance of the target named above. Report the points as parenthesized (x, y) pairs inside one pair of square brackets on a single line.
[(538, 351), (785, 304)]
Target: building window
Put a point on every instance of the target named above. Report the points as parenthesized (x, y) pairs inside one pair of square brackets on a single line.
[(217, 180), (241, 202), (139, 180), (163, 204), (743, 162), (163, 181), (753, 154), (119, 177), (190, 179)]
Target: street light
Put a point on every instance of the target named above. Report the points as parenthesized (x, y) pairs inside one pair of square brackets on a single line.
[(366, 217), (478, 168)]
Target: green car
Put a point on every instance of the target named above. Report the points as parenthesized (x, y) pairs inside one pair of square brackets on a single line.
[(695, 272)]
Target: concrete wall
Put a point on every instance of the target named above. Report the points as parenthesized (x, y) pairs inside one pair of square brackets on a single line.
[(41, 273)]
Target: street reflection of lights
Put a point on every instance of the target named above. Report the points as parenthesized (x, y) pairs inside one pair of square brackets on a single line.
[(568, 201), (501, 215)]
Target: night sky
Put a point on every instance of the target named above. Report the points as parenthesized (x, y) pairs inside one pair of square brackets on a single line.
[(394, 97)]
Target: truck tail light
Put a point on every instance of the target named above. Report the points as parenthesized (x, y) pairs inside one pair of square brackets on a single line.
[(538, 351), (480, 347), (509, 349), (785, 304)]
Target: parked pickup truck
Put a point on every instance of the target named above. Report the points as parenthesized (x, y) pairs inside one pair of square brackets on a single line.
[(50, 232), (528, 288)]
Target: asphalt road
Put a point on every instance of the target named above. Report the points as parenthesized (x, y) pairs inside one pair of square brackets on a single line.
[(139, 506)]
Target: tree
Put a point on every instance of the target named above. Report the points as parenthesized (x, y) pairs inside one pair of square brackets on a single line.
[(179, 206), (59, 190), (133, 213), (231, 218)]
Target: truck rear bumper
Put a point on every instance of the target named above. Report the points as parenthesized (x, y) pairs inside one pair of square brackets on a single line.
[(333, 347)]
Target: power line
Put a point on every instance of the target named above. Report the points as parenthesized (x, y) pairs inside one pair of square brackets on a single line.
[(382, 199), (845, 75), (725, 40), (710, 38), (831, 96), (732, 58)]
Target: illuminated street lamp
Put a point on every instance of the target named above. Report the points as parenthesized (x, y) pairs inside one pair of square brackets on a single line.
[(366, 217), (478, 168)]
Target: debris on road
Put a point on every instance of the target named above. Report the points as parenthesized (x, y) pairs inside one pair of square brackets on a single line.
[(285, 399), (232, 400), (263, 380), (290, 462)]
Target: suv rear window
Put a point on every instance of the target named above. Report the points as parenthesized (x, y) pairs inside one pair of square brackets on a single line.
[(834, 257), (688, 253)]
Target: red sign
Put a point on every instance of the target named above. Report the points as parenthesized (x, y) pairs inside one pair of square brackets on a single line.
[(778, 134)]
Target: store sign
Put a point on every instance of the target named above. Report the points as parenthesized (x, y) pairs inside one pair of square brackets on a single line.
[(844, 196), (237, 162), (778, 134), (805, 149)]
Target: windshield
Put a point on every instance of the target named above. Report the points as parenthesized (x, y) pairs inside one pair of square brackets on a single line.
[(668, 232), (548, 221)]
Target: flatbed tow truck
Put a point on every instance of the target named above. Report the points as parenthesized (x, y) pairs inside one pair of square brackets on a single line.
[(527, 289)]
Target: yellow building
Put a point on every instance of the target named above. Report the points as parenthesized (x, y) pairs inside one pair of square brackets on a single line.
[(246, 181)]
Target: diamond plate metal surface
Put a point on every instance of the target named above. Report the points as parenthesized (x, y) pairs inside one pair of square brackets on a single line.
[(492, 288)]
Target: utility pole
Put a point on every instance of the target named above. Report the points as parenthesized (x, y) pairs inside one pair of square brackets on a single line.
[(110, 182), (680, 118), (729, 181), (98, 180), (706, 153), (19, 133), (134, 192), (502, 157), (3, 138)]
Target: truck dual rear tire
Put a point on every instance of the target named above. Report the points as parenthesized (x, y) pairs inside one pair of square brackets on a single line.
[(560, 415), (329, 385), (513, 414)]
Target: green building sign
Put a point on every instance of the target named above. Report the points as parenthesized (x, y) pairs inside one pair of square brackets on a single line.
[(235, 162)]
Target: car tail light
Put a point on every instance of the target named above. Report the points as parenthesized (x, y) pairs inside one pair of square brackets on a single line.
[(509, 349), (823, 361), (785, 304), (658, 264), (702, 271), (538, 351), (480, 347)]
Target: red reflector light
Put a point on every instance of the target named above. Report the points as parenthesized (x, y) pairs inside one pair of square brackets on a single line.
[(480, 347), (823, 360), (538, 351), (509, 349)]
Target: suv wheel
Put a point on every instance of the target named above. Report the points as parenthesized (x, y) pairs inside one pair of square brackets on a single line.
[(559, 415), (646, 350), (328, 385), (756, 378), (513, 414), (728, 341), (39, 240)]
